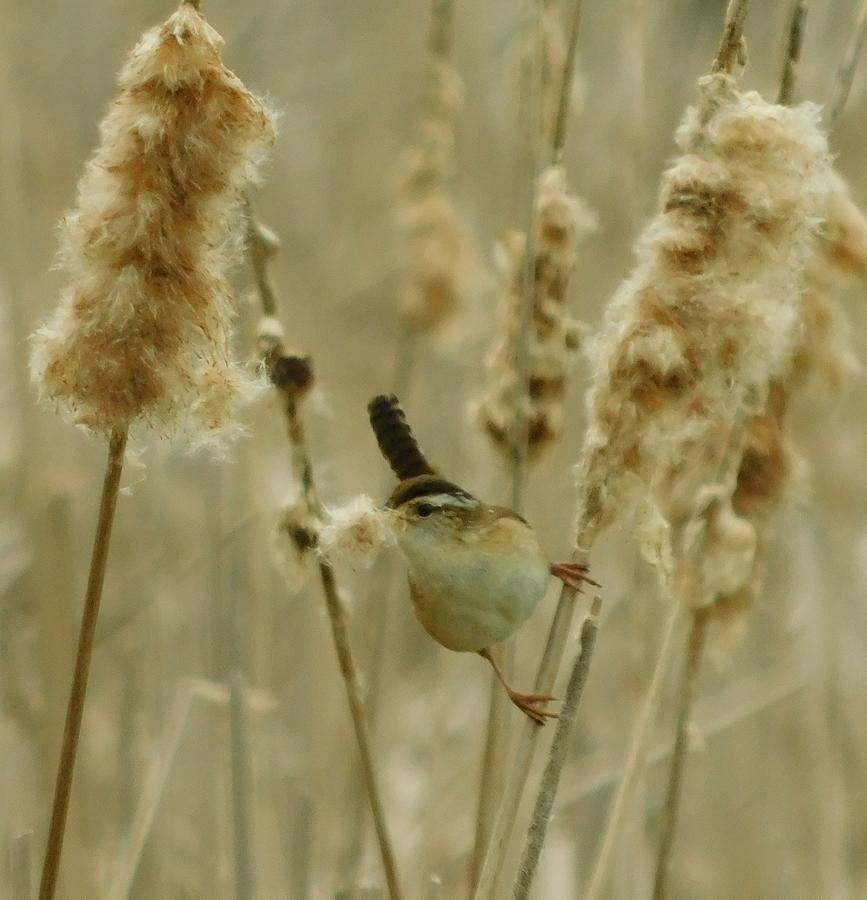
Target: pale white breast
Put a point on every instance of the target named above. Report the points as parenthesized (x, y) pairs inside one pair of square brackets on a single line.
[(469, 596)]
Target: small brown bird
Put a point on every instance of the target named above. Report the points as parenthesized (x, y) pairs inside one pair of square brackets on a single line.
[(476, 572)]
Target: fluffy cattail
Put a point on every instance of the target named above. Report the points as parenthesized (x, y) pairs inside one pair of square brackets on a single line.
[(294, 541), (141, 331), (554, 337), (820, 362), (441, 265), (357, 532), (707, 322)]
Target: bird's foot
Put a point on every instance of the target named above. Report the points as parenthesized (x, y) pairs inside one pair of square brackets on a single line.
[(573, 575), (533, 705)]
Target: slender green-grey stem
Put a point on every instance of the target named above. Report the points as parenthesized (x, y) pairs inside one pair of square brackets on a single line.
[(557, 756), (688, 689)]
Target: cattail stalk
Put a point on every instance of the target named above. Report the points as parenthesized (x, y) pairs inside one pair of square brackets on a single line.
[(521, 413), (639, 746), (846, 72), (292, 375), (687, 693), (141, 332), (557, 756), (523, 758), (493, 753), (19, 866), (84, 653)]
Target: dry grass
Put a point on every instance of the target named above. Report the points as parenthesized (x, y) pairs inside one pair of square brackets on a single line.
[(253, 785)]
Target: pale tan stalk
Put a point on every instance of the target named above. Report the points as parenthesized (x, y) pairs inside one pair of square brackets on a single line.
[(523, 758), (639, 746), (793, 52), (688, 689), (495, 734), (20, 848), (731, 43), (75, 706), (846, 72), (291, 393), (521, 438), (557, 756)]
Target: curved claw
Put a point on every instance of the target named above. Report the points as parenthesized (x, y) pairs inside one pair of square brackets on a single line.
[(573, 575), (532, 705)]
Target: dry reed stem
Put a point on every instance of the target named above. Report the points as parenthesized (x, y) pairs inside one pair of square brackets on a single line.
[(513, 790), (793, 53), (639, 746), (557, 756), (243, 842), (84, 653), (846, 72), (731, 43), (156, 779), (155, 782), (19, 849), (558, 138), (715, 715), (492, 756), (291, 395), (688, 689)]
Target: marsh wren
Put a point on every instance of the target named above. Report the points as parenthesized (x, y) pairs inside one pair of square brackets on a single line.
[(476, 572)]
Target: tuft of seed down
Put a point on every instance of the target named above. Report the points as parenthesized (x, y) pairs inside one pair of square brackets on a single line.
[(708, 320), (141, 332)]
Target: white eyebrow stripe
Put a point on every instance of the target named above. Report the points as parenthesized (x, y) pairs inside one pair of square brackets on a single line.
[(454, 501)]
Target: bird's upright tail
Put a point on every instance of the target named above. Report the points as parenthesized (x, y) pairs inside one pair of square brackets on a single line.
[(395, 438)]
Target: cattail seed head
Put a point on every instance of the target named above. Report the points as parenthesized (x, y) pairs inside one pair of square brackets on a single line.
[(692, 341), (295, 539), (562, 219), (357, 532), (141, 331)]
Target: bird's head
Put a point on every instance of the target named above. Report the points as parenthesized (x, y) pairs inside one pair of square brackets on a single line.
[(429, 509)]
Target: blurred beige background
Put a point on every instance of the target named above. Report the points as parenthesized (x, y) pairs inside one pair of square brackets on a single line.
[(772, 804)]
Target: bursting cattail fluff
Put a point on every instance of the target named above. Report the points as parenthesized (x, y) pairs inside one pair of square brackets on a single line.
[(141, 331), (562, 219), (692, 341), (820, 362), (357, 532)]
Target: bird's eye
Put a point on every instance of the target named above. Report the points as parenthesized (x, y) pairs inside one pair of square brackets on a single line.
[(425, 509)]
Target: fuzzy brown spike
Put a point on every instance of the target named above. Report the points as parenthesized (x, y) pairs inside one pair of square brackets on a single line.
[(395, 438)]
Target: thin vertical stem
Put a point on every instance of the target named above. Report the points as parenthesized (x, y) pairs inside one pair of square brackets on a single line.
[(340, 633), (19, 865), (846, 72), (75, 706), (242, 784), (730, 43), (558, 139), (513, 790), (639, 745), (152, 792), (302, 468), (557, 756), (793, 53), (689, 683)]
